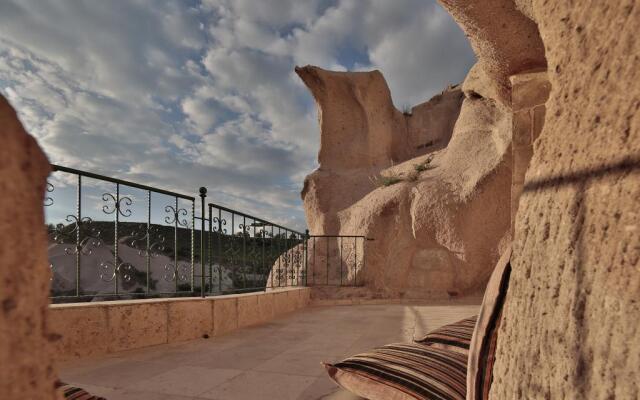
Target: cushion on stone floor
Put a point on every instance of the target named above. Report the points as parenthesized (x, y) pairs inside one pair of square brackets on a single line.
[(403, 371), (485, 336), (75, 393), (456, 336)]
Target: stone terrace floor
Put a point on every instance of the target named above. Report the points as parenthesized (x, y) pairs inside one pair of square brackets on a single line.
[(279, 360)]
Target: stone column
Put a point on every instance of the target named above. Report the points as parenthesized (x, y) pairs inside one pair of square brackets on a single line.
[(529, 93)]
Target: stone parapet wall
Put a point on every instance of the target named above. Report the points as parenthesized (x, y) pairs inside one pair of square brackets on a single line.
[(98, 328)]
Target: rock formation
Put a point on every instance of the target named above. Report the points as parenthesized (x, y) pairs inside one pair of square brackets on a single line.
[(570, 322), (25, 355), (438, 230), (505, 41)]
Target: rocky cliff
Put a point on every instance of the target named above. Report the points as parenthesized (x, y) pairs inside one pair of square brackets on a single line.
[(570, 186), (569, 327), (431, 187)]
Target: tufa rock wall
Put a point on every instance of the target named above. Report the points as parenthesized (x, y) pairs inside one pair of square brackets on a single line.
[(505, 41), (363, 133), (570, 321), (27, 370), (529, 93), (438, 214), (570, 325)]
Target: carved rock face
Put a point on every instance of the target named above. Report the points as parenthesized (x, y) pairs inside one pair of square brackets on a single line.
[(571, 317), (505, 41), (24, 271), (438, 231), (570, 321)]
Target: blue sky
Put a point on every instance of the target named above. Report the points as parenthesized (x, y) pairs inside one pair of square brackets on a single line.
[(181, 94)]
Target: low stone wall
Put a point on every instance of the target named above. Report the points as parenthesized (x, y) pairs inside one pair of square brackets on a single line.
[(98, 328)]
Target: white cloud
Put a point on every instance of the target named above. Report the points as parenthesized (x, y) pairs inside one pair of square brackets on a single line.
[(185, 93)]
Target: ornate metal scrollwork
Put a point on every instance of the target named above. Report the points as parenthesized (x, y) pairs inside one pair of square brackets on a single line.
[(48, 200), (171, 273), (231, 252), (283, 268), (176, 216), (139, 240), (244, 230), (286, 258), (67, 233), (120, 205), (295, 261), (109, 270), (218, 224), (263, 233)]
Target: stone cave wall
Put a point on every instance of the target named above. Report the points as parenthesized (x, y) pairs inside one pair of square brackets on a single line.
[(571, 317), (570, 323), (569, 327), (570, 320), (439, 228), (27, 370)]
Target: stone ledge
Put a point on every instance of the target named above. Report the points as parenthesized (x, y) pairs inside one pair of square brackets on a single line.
[(467, 300), (132, 324)]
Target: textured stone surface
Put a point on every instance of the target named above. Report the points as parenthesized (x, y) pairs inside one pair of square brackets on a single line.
[(225, 315), (529, 89), (25, 334), (283, 303), (529, 94), (305, 298), (505, 41), (97, 328), (430, 124), (363, 133), (438, 231), (266, 306), (248, 311), (570, 327), (81, 330), (139, 325), (359, 100), (367, 133), (190, 319)]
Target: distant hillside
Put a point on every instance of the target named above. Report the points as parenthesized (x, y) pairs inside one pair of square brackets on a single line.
[(233, 262)]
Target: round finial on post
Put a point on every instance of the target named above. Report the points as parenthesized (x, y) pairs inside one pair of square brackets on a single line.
[(203, 191)]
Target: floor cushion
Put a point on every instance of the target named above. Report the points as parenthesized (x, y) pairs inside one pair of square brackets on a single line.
[(455, 337), (403, 371), (75, 393)]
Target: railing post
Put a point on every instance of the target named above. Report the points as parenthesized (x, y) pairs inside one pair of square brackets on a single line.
[(203, 195), (78, 237), (306, 257)]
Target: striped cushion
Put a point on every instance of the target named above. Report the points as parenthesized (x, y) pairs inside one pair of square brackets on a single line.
[(485, 336), (456, 336), (403, 372), (74, 393), (487, 377)]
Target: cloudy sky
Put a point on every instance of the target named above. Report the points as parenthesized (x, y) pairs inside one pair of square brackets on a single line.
[(185, 93)]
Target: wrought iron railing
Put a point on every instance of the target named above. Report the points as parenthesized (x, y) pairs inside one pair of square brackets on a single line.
[(113, 239), (244, 249), (336, 260), (110, 238)]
